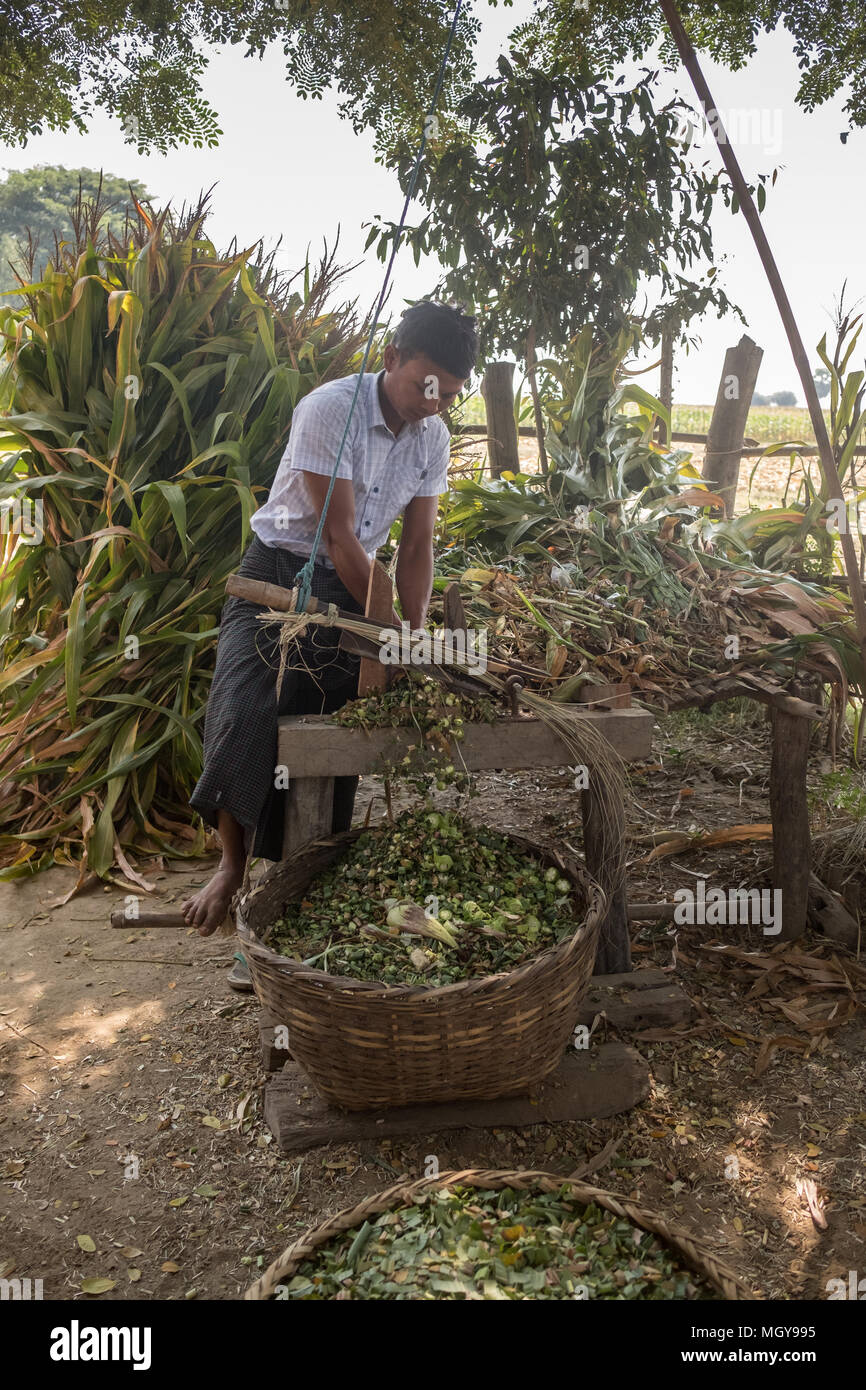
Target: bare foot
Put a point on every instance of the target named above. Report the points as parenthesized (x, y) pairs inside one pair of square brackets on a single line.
[(207, 909)]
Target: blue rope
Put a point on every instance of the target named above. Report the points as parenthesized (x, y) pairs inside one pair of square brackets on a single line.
[(305, 575)]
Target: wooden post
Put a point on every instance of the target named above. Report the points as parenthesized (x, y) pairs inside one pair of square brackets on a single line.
[(789, 810), (380, 605), (497, 389), (309, 812), (453, 611), (728, 426), (666, 384)]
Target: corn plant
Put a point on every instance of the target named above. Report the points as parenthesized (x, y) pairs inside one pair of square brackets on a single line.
[(146, 390), (797, 535)]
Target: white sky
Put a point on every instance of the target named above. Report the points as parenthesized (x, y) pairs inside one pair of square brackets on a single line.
[(290, 168)]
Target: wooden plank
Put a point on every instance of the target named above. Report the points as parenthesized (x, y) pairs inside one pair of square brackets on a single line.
[(274, 1057), (605, 696), (635, 999), (789, 809), (314, 746), (828, 912), (309, 811), (380, 607), (587, 1085)]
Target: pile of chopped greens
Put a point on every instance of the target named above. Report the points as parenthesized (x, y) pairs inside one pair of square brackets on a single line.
[(470, 1243), (418, 700), (438, 714), (429, 900)]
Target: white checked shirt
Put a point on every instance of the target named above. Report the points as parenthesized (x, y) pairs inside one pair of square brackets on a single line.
[(385, 472)]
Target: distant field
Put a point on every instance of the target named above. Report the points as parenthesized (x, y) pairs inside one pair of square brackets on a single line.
[(768, 424), (772, 424)]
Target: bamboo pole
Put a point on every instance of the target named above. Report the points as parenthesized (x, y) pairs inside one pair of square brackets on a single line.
[(798, 351)]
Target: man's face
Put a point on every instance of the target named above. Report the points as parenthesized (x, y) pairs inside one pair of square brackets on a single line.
[(418, 387)]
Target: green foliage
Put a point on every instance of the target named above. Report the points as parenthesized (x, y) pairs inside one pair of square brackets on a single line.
[(842, 790), (149, 387), (40, 203), (607, 481), (556, 200), (62, 63), (828, 37)]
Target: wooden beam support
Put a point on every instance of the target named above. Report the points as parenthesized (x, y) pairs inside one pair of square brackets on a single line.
[(314, 746), (309, 811)]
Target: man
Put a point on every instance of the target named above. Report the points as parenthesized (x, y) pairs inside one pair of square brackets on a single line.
[(394, 463)]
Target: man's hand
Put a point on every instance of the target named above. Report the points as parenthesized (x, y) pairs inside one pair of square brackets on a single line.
[(415, 559)]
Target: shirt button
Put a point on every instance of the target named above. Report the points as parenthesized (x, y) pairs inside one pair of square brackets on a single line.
[(366, 523), (424, 474), (375, 489)]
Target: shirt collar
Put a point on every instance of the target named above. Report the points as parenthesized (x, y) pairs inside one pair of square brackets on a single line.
[(374, 408)]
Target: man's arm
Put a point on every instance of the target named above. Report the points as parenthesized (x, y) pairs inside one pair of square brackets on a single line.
[(415, 559), (344, 548)]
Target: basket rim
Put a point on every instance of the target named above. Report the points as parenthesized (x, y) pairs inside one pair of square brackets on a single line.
[(260, 954), (695, 1253)]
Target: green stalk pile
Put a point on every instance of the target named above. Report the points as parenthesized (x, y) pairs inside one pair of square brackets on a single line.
[(147, 387), (467, 1243), (428, 901)]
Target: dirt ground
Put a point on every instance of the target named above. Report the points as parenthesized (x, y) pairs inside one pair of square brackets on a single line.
[(131, 1144)]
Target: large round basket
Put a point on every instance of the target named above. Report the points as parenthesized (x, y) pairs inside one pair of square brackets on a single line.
[(693, 1253), (369, 1046)]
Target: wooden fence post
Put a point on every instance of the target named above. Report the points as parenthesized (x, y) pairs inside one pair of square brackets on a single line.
[(497, 388), (666, 383), (728, 426)]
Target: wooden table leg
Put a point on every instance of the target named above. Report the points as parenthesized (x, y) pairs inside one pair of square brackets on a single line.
[(789, 811), (309, 811)]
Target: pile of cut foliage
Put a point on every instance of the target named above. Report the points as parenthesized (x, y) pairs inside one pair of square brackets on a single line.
[(465, 1243), (430, 900), (147, 386)]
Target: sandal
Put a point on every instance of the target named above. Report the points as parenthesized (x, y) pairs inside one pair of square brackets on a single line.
[(239, 976)]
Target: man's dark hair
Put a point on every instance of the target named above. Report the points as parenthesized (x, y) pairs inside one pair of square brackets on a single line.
[(438, 331)]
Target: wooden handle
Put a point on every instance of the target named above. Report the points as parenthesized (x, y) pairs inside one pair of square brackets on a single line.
[(148, 919), (257, 591)]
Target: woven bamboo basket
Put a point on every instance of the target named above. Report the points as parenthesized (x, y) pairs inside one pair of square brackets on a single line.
[(693, 1253), (369, 1046)]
